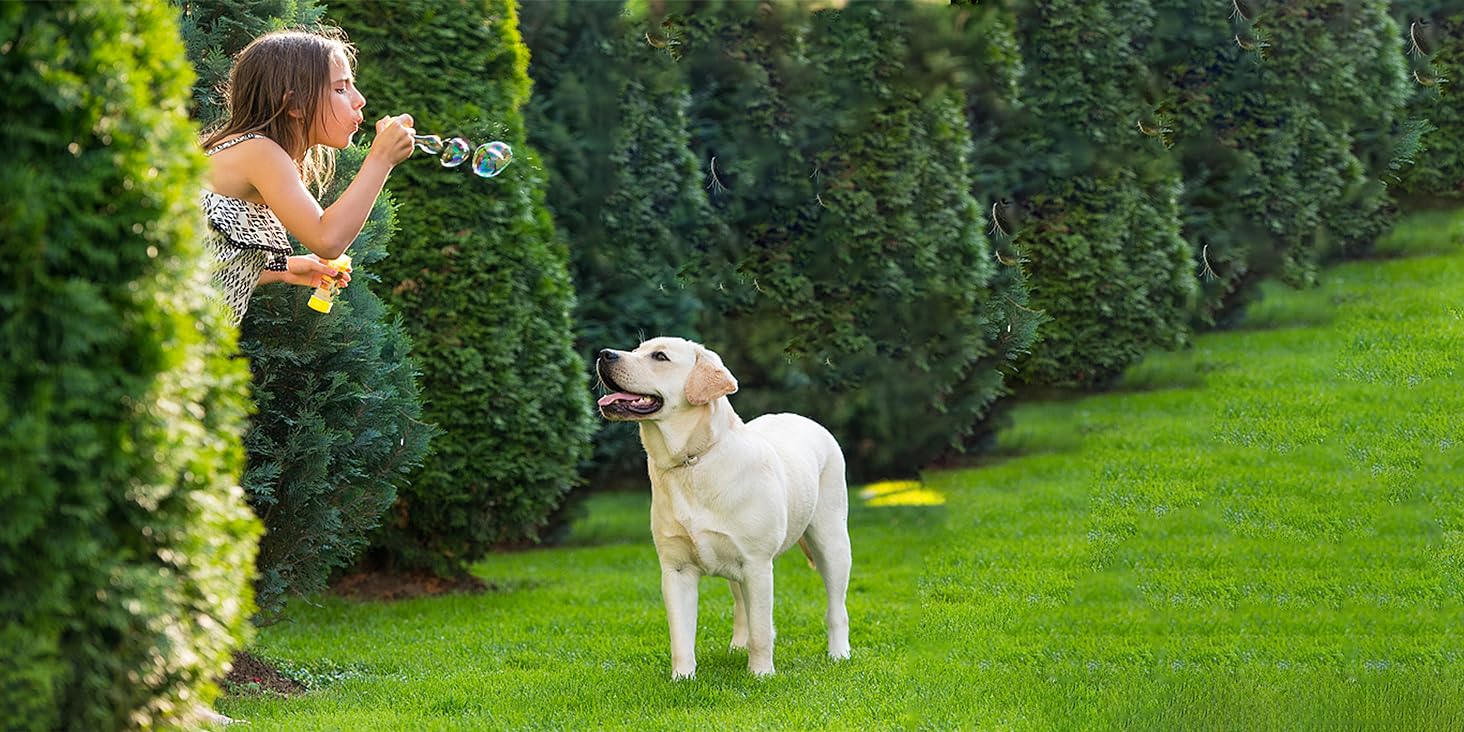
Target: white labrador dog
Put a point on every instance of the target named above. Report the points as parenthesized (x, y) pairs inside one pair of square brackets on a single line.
[(727, 498)]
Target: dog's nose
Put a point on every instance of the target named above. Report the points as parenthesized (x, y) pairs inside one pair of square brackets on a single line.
[(608, 355)]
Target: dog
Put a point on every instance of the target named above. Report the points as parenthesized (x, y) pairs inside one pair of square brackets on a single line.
[(728, 497)]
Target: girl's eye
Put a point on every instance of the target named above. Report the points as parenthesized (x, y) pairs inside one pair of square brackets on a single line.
[(660, 356)]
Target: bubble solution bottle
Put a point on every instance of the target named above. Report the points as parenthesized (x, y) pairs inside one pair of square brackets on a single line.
[(324, 296)]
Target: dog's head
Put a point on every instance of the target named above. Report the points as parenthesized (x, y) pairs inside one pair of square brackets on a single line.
[(660, 378)]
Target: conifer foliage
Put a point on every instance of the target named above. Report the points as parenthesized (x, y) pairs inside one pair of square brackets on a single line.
[(1288, 124), (338, 421), (338, 427), (1433, 40), (1204, 112), (854, 283), (480, 281), (126, 549), (609, 115), (1099, 197), (1338, 65)]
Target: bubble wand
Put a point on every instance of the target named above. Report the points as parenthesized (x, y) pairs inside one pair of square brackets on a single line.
[(489, 159)]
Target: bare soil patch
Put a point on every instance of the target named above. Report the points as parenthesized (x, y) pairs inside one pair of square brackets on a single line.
[(387, 586)]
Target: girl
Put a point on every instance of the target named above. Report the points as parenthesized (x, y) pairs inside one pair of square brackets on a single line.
[(292, 101)]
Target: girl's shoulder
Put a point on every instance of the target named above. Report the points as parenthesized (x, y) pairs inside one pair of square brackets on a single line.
[(246, 140), (243, 166)]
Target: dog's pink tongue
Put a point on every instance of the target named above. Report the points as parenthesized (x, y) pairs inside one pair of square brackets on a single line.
[(618, 396)]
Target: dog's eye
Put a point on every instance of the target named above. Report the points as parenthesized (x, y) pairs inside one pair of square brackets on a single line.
[(660, 356)]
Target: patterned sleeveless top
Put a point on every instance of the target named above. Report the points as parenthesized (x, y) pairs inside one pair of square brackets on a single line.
[(245, 238)]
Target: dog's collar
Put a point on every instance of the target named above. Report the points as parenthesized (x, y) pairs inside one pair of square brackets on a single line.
[(684, 462)]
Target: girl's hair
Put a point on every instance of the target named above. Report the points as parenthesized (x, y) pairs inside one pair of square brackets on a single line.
[(278, 72)]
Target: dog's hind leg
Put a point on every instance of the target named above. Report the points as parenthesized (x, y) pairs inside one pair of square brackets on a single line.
[(827, 539), (739, 616), (831, 554)]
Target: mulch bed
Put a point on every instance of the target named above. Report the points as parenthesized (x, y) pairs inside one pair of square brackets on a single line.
[(251, 675), (381, 585)]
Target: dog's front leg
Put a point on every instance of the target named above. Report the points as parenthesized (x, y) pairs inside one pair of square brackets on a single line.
[(678, 589), (757, 587)]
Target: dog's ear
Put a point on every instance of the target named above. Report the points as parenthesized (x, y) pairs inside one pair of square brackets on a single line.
[(709, 379)]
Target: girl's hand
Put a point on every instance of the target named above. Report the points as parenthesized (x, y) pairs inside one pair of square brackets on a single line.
[(307, 271), (394, 141)]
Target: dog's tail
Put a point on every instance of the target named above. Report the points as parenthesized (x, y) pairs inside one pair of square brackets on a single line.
[(803, 544)]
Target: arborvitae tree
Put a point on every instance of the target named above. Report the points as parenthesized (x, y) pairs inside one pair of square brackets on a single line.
[(1287, 173), (980, 40), (608, 116), (1285, 140), (905, 256), (481, 281), (1100, 231), (754, 125), (337, 426), (126, 548), (1207, 84), (1346, 60), (859, 278), (1433, 37)]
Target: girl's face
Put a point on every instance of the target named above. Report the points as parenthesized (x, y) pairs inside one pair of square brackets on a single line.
[(340, 113)]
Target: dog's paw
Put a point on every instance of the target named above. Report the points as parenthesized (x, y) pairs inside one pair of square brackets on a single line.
[(760, 670), (839, 654), (738, 645), (683, 674)]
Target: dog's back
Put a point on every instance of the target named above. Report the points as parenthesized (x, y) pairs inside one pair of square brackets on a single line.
[(811, 459), (797, 439)]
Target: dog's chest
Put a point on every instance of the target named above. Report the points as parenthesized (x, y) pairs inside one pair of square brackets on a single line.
[(690, 533)]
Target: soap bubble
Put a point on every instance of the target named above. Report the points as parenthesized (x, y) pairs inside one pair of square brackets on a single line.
[(455, 151), (488, 160), (491, 158)]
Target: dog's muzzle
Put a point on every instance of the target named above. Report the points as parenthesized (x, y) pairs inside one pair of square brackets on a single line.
[(621, 404)]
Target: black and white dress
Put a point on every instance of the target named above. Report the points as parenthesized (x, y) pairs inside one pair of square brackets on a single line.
[(245, 238)]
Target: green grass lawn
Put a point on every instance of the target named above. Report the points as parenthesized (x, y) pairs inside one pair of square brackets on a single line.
[(1265, 531)]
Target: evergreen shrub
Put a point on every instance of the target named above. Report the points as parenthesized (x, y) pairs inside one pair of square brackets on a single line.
[(1433, 38), (1363, 101), (126, 549), (609, 117), (1100, 231), (855, 283), (1208, 82), (338, 428), (1288, 125), (481, 282), (338, 423)]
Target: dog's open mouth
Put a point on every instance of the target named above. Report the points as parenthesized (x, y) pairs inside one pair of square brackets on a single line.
[(625, 404)]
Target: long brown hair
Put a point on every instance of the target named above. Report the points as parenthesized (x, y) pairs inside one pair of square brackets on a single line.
[(278, 72)]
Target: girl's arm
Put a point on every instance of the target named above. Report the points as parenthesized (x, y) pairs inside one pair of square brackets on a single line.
[(305, 271), (328, 232)]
